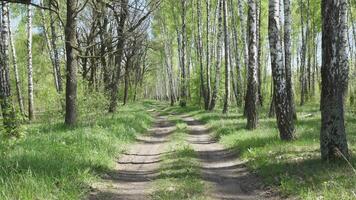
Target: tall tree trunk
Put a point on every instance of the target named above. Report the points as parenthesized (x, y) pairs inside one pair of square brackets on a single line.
[(334, 74), (7, 108), (259, 52), (104, 37), (303, 70), (244, 35), (237, 79), (31, 115), (284, 110), (119, 55), (126, 80), (16, 71), (49, 47), (55, 50), (252, 87), (71, 68), (208, 82), (218, 60), (183, 100), (200, 55), (288, 54), (227, 63), (168, 62)]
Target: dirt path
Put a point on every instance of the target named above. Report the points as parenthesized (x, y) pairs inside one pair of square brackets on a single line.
[(135, 170), (226, 175)]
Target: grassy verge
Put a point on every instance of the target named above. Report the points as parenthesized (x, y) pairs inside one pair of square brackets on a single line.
[(54, 162), (179, 173), (294, 167)]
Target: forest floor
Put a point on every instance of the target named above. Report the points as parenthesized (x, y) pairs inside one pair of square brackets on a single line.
[(179, 159), (186, 153)]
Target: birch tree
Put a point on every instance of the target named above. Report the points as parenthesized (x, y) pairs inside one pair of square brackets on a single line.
[(31, 115), (218, 59), (334, 75), (252, 79), (7, 108), (284, 111), (183, 100), (288, 54), (227, 63), (16, 71)]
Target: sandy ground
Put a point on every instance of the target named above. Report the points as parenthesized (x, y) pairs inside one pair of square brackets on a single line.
[(135, 170), (226, 176)]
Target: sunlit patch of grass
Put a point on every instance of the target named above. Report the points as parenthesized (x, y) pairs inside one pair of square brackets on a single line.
[(293, 167), (55, 162), (180, 176)]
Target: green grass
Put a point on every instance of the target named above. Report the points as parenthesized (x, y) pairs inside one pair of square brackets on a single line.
[(55, 162), (180, 176), (294, 167)]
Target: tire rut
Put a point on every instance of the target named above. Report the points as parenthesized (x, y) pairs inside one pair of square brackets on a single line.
[(137, 168), (226, 176)]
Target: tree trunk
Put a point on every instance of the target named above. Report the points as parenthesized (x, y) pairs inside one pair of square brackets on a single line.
[(237, 79), (55, 51), (218, 60), (31, 115), (126, 80), (183, 100), (208, 82), (71, 68), (119, 55), (168, 62), (16, 72), (284, 111), (227, 63), (200, 55), (303, 78), (259, 52), (252, 87), (288, 54), (334, 74), (7, 108), (49, 47), (244, 35)]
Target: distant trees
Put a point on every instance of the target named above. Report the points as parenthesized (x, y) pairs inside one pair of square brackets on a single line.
[(334, 74), (209, 52)]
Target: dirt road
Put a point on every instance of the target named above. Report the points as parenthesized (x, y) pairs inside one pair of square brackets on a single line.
[(137, 168), (225, 175)]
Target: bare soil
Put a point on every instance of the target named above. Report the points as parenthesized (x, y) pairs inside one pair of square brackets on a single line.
[(137, 168), (225, 175)]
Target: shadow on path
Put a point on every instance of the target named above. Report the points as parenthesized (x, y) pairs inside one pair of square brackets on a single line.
[(137, 168), (226, 175)]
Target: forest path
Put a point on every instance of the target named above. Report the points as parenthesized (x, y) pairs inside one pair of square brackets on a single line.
[(137, 168), (226, 176)]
